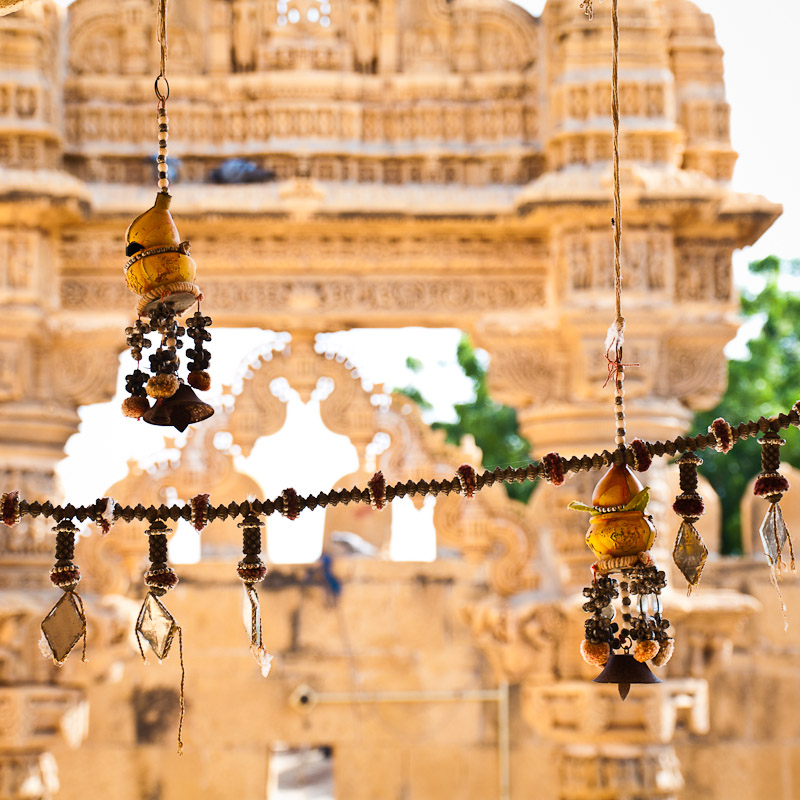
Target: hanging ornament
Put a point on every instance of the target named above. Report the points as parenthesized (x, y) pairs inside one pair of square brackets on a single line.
[(65, 625), (620, 535), (690, 552), (771, 485), (155, 624), (251, 570), (162, 272)]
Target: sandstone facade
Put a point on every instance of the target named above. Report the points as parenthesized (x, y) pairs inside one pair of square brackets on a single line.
[(439, 164)]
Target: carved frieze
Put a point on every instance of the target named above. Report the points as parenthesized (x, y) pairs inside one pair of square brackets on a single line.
[(703, 271), (646, 254), (389, 297)]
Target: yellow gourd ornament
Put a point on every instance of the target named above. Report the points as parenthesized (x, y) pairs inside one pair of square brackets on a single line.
[(620, 532), (159, 268)]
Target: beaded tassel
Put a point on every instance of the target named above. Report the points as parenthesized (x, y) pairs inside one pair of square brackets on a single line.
[(137, 404), (155, 624), (251, 570), (164, 362), (771, 485), (690, 552), (200, 357), (65, 625)]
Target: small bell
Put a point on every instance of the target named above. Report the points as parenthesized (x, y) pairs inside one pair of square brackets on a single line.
[(624, 670), (180, 410)]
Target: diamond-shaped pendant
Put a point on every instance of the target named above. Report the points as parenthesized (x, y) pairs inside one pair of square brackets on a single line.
[(774, 534), (64, 626), (690, 553), (156, 626)]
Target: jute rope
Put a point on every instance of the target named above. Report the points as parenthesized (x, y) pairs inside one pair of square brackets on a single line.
[(617, 332)]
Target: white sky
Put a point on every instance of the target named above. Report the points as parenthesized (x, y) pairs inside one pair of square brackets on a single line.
[(760, 46)]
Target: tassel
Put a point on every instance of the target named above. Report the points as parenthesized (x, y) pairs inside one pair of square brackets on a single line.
[(771, 485), (155, 624), (251, 570)]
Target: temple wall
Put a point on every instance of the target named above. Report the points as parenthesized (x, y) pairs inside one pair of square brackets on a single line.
[(413, 162)]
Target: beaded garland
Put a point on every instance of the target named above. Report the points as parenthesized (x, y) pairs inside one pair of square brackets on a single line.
[(14, 507)]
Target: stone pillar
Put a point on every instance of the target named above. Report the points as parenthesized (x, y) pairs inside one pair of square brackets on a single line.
[(44, 372)]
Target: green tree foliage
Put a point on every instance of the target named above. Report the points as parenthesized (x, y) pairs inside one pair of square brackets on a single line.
[(493, 426), (764, 383)]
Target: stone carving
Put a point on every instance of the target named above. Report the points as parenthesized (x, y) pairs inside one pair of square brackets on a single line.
[(519, 643), (647, 256), (531, 370), (703, 271), (400, 136), (363, 20), (82, 372), (695, 373), (344, 295)]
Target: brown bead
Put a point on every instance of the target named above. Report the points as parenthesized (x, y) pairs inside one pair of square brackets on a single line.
[(200, 381), (135, 407)]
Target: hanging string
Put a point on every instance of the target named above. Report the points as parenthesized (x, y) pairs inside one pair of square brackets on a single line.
[(182, 692), (616, 333), (162, 35), (162, 94)]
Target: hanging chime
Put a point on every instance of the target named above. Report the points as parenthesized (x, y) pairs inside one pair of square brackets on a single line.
[(162, 272), (621, 533)]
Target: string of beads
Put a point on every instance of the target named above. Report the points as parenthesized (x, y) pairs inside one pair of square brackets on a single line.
[(551, 468)]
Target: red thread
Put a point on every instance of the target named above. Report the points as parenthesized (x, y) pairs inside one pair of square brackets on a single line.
[(377, 491), (199, 511), (691, 507), (769, 484), (722, 434), (291, 504), (251, 573), (11, 508), (641, 456), (554, 468), (467, 479)]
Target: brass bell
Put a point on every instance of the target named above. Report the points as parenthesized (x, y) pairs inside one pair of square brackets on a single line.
[(623, 669), (180, 410)]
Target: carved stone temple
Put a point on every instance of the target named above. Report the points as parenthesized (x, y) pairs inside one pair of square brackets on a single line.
[(417, 162)]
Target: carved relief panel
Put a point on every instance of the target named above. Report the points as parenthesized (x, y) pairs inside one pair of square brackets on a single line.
[(589, 264), (703, 271)]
